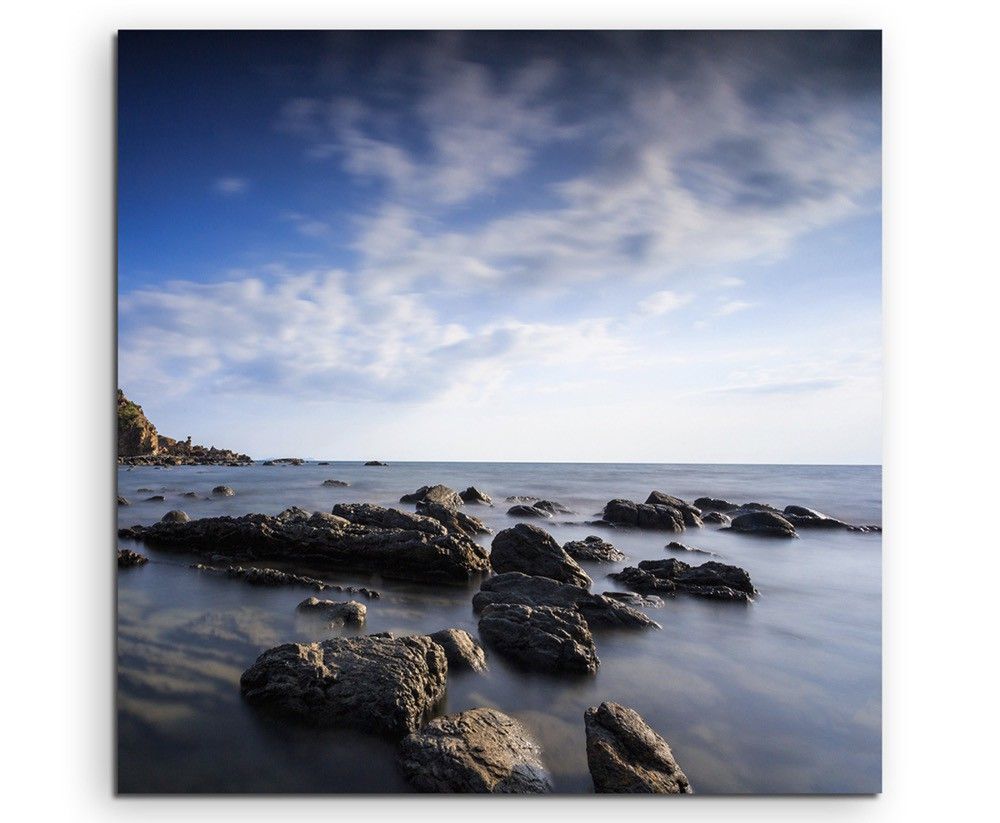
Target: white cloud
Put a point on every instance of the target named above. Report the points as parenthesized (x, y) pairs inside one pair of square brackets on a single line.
[(733, 307), (731, 282), (662, 302), (229, 186)]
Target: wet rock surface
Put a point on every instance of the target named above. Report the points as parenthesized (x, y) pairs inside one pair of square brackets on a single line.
[(434, 494), (275, 577), (652, 516), (514, 588), (714, 580), (715, 504), (593, 548), (377, 683), (763, 523), (461, 649), (475, 751), (533, 551), (349, 613), (626, 756), (453, 519), (128, 558), (474, 496), (541, 638)]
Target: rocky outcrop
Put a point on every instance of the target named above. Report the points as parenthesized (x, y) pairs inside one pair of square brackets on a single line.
[(224, 491), (175, 516), (454, 520), (655, 516), (763, 523), (128, 558), (284, 461), (593, 548), (514, 588), (136, 435), (376, 683), (349, 613), (461, 649), (714, 580), (356, 536), (530, 550), (442, 495), (542, 638), (376, 463), (274, 577), (626, 756), (803, 518), (339, 483), (474, 496), (476, 751)]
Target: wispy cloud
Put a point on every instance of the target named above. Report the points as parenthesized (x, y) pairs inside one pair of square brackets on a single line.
[(230, 186), (662, 302), (728, 307)]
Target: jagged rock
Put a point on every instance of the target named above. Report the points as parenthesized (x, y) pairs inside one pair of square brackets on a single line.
[(474, 496), (461, 649), (546, 638), (340, 483), (714, 504), (175, 516), (674, 546), (476, 751), (128, 558), (446, 497), (521, 510), (530, 550), (644, 515), (122, 501), (224, 491), (716, 518), (593, 548), (713, 580), (514, 588), (377, 683), (626, 756), (350, 613), (156, 498), (650, 601), (376, 463), (274, 577), (764, 523), (356, 536), (454, 520)]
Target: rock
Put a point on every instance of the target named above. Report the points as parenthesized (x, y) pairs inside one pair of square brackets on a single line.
[(224, 491), (156, 498), (551, 507), (350, 613), (376, 463), (550, 639), (815, 522), (377, 683), (323, 463), (474, 496), (757, 507), (593, 548), (190, 494), (355, 536), (175, 516), (434, 494), (122, 501), (650, 601), (128, 558), (660, 499), (520, 498), (340, 483), (763, 523), (285, 461), (476, 751), (674, 546), (453, 520), (714, 580), (274, 577), (514, 588), (644, 515), (143, 490), (716, 518), (802, 511), (714, 504), (530, 550), (527, 511), (461, 649), (626, 756)]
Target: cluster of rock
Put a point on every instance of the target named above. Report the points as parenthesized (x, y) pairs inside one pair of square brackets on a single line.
[(284, 461), (593, 548), (128, 558), (340, 483), (539, 508), (718, 581)]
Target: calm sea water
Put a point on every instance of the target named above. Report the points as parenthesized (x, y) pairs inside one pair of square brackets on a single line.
[(783, 696)]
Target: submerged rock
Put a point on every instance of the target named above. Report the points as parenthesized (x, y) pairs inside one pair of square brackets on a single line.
[(674, 546), (474, 496), (339, 483), (654, 516), (156, 498), (376, 683), (626, 756), (175, 516), (190, 494), (224, 491), (514, 588), (530, 550), (551, 507), (803, 518), (274, 577), (714, 580), (545, 638), (475, 751), (350, 613), (454, 520), (765, 523), (128, 558), (593, 548), (434, 494), (461, 649)]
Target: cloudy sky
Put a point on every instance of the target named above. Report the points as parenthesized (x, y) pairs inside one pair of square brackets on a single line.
[(551, 246)]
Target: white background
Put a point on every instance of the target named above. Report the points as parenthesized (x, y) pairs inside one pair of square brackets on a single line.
[(941, 270)]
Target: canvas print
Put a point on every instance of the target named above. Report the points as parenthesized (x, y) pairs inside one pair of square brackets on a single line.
[(498, 412)]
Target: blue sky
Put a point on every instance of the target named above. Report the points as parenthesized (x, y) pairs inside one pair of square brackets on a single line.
[(487, 246)]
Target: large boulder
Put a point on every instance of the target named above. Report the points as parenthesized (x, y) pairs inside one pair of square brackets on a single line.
[(378, 683), (654, 516), (223, 491), (434, 494), (476, 751), (593, 548), (714, 580), (474, 496), (461, 649), (544, 638), (764, 523), (626, 756), (175, 516), (355, 536), (349, 613), (525, 590), (453, 519), (530, 550)]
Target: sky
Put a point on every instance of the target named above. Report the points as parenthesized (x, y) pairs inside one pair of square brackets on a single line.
[(541, 246)]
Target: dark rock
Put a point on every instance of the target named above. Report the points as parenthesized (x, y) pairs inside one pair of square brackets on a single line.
[(377, 683), (815, 522), (376, 463), (474, 496), (716, 518), (644, 582), (521, 510), (514, 588), (356, 536), (674, 546), (626, 756), (714, 504), (156, 498), (593, 548), (285, 461), (713, 580), (223, 491), (336, 483), (143, 490), (461, 649), (768, 524), (122, 501), (649, 601), (756, 507), (274, 577), (128, 558), (530, 550), (477, 751), (520, 498), (434, 494), (175, 516), (551, 507), (323, 463), (802, 511), (190, 494), (350, 613), (644, 515), (454, 520), (553, 640)]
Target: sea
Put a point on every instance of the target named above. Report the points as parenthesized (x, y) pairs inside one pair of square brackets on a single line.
[(781, 696)]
